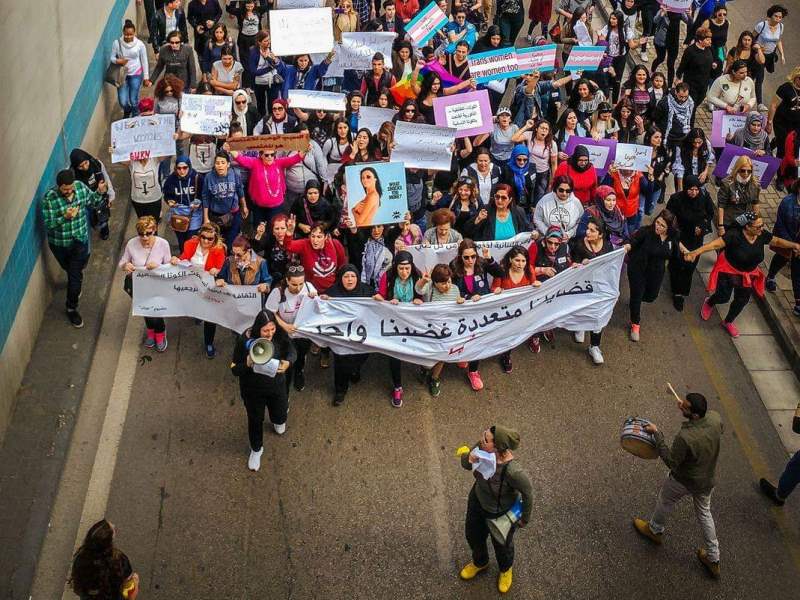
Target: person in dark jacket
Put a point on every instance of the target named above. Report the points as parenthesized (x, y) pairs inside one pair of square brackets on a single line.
[(548, 257), (693, 210), (500, 221), (520, 173), (223, 198), (313, 209), (696, 66), (347, 367), (263, 387), (651, 248), (182, 195), (787, 226), (203, 16), (170, 18), (178, 59), (303, 74), (90, 171), (248, 15), (674, 115)]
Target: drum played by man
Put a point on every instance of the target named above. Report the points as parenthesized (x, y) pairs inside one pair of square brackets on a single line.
[(692, 461)]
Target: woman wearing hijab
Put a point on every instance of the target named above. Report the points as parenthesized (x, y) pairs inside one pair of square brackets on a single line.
[(521, 174), (606, 210), (694, 211), (244, 112), (182, 195), (278, 120), (582, 172), (752, 136), (312, 208), (736, 270), (90, 171), (263, 387), (376, 258), (347, 367)]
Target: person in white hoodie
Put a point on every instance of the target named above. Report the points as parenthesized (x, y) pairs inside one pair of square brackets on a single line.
[(131, 53), (560, 207)]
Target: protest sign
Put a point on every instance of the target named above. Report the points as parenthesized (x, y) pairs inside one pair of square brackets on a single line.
[(206, 115), (577, 299), (356, 50), (537, 58), (633, 156), (284, 4), (722, 124), (677, 6), (425, 24), (314, 100), (288, 142), (372, 118), (188, 291), (142, 137), (470, 113), (494, 65), (376, 193), (601, 152), (301, 31), (427, 257), (584, 58), (421, 146), (764, 167)]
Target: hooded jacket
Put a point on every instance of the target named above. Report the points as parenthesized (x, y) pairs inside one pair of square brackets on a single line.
[(96, 173), (184, 191), (584, 182), (551, 211)]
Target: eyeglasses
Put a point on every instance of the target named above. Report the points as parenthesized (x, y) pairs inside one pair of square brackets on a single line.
[(147, 234), (469, 256), (241, 101), (564, 190), (207, 238), (267, 154)]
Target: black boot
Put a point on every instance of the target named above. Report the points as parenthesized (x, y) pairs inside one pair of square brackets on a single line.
[(677, 302), (770, 492)]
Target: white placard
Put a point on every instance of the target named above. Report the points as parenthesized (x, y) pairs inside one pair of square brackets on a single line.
[(357, 49), (301, 31), (576, 299), (464, 116), (421, 146), (633, 156), (677, 6), (427, 257), (314, 100), (372, 118), (142, 137), (284, 4), (207, 115)]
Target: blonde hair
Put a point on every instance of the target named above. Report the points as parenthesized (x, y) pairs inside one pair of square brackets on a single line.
[(146, 222), (741, 162), (213, 229), (793, 74)]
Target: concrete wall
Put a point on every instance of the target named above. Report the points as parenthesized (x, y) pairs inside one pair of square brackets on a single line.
[(52, 100)]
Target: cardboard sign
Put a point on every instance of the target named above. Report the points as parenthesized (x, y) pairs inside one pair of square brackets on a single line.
[(314, 100), (284, 4), (373, 117), (722, 124), (288, 142), (469, 114), (764, 167), (677, 6), (301, 31), (601, 152), (142, 137)]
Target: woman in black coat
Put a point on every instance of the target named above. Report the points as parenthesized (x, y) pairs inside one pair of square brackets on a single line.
[(489, 222), (263, 387), (650, 249)]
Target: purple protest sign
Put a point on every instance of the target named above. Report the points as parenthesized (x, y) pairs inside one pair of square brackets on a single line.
[(469, 114), (764, 167), (601, 152), (722, 124)]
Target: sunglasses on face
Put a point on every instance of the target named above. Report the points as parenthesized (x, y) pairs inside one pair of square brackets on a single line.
[(175, 43), (564, 190), (267, 154), (241, 102), (746, 171), (207, 238), (469, 256), (274, 108), (147, 234)]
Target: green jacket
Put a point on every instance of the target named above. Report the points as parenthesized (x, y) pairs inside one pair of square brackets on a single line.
[(693, 457), (515, 483)]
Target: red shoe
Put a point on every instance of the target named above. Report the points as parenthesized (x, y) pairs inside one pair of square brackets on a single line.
[(731, 329), (475, 380), (706, 310), (534, 345)]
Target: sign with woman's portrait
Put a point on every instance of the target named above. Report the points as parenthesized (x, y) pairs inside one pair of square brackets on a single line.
[(376, 193)]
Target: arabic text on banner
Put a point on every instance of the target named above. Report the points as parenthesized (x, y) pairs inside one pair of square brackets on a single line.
[(427, 257), (288, 142), (421, 146), (578, 299), (142, 137)]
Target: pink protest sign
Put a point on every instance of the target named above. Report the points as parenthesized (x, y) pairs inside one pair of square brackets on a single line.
[(469, 114), (584, 58)]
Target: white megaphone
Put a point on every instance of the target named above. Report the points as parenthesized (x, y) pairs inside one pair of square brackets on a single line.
[(261, 350), (500, 526)]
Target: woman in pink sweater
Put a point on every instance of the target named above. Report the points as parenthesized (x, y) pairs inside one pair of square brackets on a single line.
[(267, 184)]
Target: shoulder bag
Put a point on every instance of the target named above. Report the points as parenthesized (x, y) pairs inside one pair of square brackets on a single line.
[(115, 73)]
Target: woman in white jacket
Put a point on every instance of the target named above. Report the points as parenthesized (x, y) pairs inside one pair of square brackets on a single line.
[(734, 91), (131, 53), (560, 207)]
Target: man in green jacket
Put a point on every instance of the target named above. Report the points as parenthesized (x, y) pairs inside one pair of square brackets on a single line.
[(493, 496), (692, 461)]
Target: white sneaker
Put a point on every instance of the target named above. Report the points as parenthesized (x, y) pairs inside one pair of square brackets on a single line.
[(597, 356), (254, 462), (279, 429), (579, 336)]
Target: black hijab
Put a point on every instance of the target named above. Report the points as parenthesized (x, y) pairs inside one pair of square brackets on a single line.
[(337, 290), (579, 152)]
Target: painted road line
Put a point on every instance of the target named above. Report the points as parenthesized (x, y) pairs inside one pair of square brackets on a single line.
[(437, 499)]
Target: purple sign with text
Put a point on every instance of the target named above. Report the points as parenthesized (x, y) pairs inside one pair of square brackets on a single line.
[(723, 123), (601, 152), (469, 114), (764, 167)]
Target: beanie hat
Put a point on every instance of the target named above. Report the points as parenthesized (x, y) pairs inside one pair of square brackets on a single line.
[(554, 231), (146, 105), (505, 439)]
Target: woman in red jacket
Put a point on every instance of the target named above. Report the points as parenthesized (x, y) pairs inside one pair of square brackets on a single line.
[(205, 250), (583, 173), (626, 184)]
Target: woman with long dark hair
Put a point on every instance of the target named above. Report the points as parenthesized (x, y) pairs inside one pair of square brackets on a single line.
[(100, 571), (263, 386), (694, 156)]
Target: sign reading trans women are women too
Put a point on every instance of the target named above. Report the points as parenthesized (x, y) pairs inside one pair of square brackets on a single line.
[(494, 64)]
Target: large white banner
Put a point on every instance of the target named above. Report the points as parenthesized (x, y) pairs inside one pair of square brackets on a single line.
[(142, 137), (207, 115), (427, 257), (301, 31), (356, 49), (315, 100), (188, 291), (421, 146), (577, 299)]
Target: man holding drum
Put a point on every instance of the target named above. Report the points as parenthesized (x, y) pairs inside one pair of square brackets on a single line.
[(692, 461)]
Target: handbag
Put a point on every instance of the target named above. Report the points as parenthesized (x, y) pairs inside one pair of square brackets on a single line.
[(116, 74), (179, 223), (223, 221)]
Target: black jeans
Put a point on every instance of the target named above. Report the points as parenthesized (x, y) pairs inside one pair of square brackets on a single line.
[(276, 402), (301, 346), (346, 366), (209, 331), (476, 531), (144, 209), (73, 259), (727, 284), (618, 62), (396, 369), (644, 287), (680, 275), (778, 262)]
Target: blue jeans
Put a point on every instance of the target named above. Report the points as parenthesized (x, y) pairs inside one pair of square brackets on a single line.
[(128, 95), (649, 193), (790, 476)]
